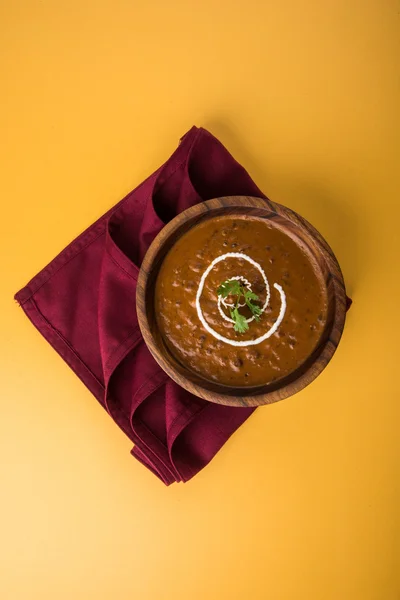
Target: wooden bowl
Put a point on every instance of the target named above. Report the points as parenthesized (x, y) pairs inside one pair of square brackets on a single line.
[(294, 226)]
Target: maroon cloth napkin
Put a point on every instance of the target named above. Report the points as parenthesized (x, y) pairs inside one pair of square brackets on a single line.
[(83, 303)]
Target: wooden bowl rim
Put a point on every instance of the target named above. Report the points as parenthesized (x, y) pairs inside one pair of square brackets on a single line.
[(326, 351)]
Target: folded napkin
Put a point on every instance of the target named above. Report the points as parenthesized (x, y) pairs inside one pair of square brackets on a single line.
[(83, 303)]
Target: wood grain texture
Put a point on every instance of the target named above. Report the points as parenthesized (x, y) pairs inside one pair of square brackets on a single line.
[(304, 234)]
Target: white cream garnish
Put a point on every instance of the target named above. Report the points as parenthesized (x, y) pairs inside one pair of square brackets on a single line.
[(221, 338)]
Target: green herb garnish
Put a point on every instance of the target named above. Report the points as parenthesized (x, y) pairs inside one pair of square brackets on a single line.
[(240, 325), (233, 287)]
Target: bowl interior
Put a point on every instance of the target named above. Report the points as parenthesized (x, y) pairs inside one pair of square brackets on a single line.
[(318, 253)]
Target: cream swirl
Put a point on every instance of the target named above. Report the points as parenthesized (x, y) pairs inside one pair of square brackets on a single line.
[(222, 301)]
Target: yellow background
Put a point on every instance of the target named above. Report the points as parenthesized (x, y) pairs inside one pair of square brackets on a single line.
[(303, 502)]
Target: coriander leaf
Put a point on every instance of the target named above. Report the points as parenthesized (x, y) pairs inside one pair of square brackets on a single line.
[(248, 295), (255, 310), (231, 287), (240, 324)]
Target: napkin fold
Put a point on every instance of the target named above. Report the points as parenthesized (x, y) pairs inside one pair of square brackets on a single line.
[(83, 303)]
